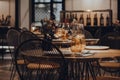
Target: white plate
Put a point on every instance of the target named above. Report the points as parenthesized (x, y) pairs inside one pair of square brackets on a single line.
[(97, 47), (66, 51), (89, 40), (57, 40)]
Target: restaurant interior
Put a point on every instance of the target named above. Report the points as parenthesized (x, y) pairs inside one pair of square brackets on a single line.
[(59, 40)]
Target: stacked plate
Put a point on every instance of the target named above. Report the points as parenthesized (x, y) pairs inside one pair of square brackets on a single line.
[(97, 47)]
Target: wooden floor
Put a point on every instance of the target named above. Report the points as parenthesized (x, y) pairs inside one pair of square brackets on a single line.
[(5, 70)]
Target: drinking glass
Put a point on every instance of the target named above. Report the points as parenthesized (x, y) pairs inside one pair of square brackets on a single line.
[(78, 39)]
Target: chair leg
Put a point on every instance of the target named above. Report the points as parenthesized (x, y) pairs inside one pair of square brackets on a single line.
[(13, 72), (91, 70)]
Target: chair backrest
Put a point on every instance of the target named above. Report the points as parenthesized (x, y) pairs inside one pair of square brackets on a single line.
[(32, 51), (26, 35), (98, 33), (88, 35), (13, 37), (110, 65), (111, 39)]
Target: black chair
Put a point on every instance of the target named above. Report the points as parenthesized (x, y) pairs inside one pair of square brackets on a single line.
[(111, 39), (98, 33), (26, 35), (12, 40), (88, 35), (3, 40), (13, 37), (40, 61), (109, 66)]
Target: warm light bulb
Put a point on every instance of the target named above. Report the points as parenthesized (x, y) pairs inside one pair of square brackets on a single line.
[(88, 10)]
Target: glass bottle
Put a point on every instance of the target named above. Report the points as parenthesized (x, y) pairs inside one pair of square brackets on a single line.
[(95, 19), (88, 20), (81, 19), (67, 18), (71, 18), (107, 20), (101, 20), (76, 18)]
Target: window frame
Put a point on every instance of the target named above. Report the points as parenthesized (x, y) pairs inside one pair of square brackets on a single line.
[(33, 3)]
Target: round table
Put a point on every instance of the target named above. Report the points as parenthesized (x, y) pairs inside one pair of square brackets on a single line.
[(80, 67)]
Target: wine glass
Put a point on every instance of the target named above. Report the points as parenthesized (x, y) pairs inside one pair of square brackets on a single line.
[(78, 44), (78, 39)]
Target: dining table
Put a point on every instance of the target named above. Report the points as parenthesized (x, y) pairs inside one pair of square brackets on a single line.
[(80, 64)]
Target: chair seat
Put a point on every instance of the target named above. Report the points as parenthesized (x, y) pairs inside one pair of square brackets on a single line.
[(108, 78), (110, 65), (20, 62), (43, 66)]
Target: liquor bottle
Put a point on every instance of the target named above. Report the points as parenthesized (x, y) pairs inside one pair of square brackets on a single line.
[(101, 20), (67, 18), (3, 20), (81, 19), (95, 19), (71, 18), (107, 20), (0, 20), (76, 18), (88, 20)]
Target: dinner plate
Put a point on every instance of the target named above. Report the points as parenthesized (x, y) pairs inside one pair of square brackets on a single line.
[(66, 52), (57, 40), (85, 53), (89, 40), (97, 47)]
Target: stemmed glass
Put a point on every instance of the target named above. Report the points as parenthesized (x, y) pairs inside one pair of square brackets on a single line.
[(78, 39)]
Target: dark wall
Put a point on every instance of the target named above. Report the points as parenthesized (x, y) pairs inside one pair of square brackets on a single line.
[(98, 32), (17, 13)]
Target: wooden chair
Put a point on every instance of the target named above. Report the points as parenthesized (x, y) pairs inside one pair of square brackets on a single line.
[(111, 39), (108, 78), (40, 66), (107, 69), (110, 65)]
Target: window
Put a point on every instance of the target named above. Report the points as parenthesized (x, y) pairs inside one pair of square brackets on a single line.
[(46, 8), (56, 9), (42, 11), (57, 0), (42, 0)]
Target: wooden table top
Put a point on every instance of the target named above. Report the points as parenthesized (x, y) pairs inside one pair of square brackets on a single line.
[(96, 54)]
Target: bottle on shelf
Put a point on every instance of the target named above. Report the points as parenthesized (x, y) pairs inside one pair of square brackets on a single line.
[(71, 18), (67, 18), (88, 20), (107, 20), (95, 20), (76, 18), (2, 20), (101, 20), (81, 19)]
